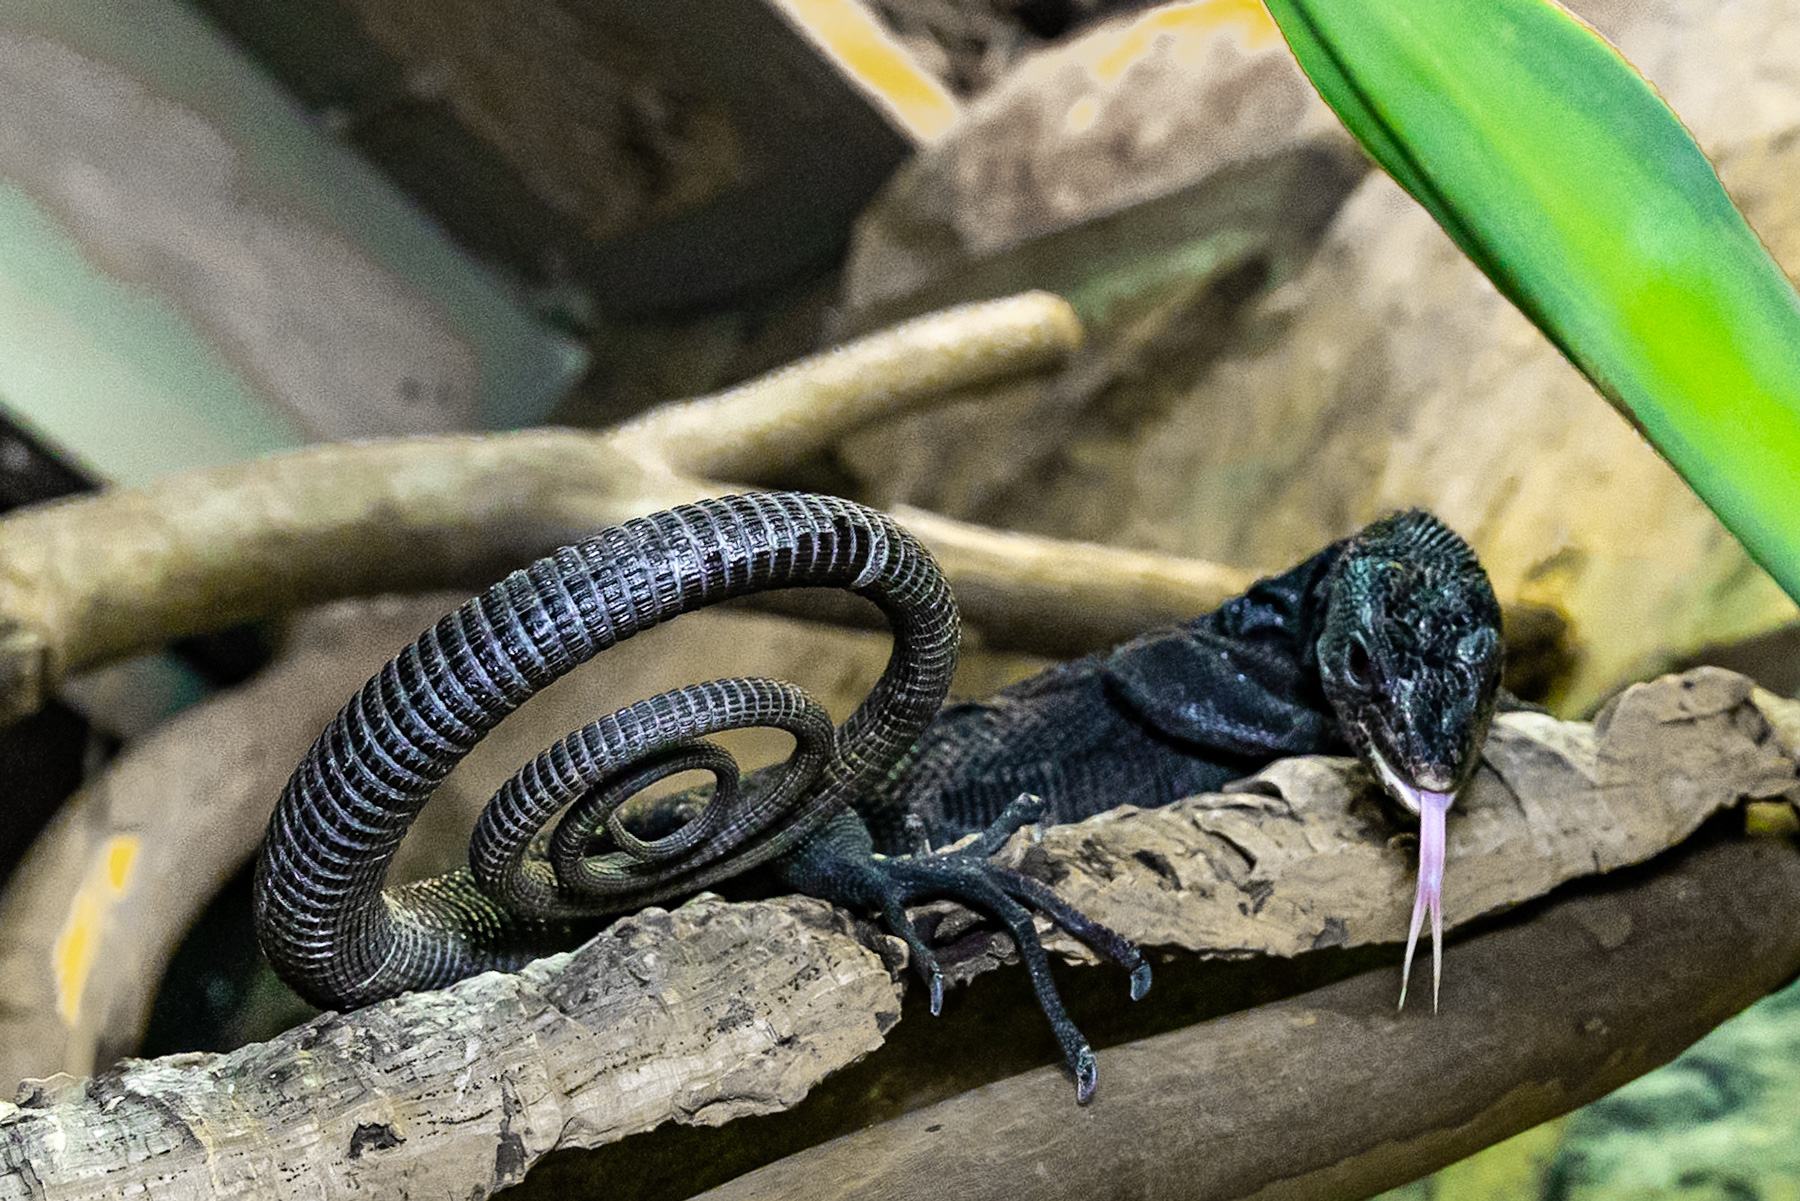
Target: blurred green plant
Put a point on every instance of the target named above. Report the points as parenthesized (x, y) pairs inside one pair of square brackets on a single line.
[(1565, 177)]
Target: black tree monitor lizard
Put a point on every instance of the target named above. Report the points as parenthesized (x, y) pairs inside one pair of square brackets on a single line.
[(1386, 644)]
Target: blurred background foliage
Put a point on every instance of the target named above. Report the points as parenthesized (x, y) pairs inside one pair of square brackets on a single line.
[(1719, 1122), (233, 227)]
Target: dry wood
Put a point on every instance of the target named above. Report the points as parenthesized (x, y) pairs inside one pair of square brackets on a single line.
[(1333, 1095), (701, 1015), (691, 1010), (1298, 857), (86, 582)]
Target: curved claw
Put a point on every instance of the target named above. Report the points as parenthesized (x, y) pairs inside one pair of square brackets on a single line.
[(924, 959), (1432, 808), (1087, 1075), (1140, 981)]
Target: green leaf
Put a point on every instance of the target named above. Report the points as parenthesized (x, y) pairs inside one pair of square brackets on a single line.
[(1565, 177)]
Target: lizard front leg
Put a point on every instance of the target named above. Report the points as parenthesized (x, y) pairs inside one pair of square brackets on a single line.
[(839, 864)]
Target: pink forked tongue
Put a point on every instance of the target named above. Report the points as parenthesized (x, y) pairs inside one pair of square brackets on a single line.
[(1432, 808)]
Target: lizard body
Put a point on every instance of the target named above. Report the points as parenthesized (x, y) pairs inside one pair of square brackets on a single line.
[(1167, 715), (1386, 644)]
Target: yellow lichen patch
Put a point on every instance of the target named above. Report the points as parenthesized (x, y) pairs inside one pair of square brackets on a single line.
[(1081, 115), (1184, 29), (876, 62), (121, 853), (1771, 819), (72, 956)]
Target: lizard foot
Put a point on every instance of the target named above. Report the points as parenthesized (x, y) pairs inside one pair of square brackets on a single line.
[(889, 885)]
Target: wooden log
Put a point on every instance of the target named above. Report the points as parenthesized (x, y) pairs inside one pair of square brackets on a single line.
[(715, 1011), (1333, 1095), (701, 1015)]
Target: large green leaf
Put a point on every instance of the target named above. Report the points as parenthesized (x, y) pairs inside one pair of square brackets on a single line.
[(1565, 177)]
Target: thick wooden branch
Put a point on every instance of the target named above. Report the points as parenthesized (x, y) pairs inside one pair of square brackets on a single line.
[(87, 582), (701, 1015), (1301, 856), (1333, 1095), (717, 1010)]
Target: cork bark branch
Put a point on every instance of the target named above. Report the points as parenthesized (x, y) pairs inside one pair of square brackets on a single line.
[(89, 581), (1333, 1094), (715, 1011), (701, 1015)]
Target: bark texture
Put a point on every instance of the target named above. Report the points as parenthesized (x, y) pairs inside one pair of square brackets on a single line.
[(716, 1011), (1332, 1094), (701, 1015)]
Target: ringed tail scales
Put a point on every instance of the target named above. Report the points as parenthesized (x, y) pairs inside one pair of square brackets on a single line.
[(341, 939)]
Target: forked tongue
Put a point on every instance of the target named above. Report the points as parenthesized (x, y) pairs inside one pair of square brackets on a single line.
[(1432, 808)]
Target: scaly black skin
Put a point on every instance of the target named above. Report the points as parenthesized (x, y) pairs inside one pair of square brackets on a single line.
[(1386, 644), (339, 939), (1162, 717)]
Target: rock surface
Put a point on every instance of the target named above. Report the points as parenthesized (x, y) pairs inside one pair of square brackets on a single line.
[(1196, 100), (1388, 373)]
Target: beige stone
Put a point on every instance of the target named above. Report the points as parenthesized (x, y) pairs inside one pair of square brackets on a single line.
[(1391, 373), (1137, 109)]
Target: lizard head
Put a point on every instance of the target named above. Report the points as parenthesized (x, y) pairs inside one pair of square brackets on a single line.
[(1410, 654), (1410, 660)]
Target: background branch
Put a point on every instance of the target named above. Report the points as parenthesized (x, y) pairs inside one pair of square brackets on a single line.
[(87, 582)]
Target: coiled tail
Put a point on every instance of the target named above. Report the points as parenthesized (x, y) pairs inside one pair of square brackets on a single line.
[(340, 939)]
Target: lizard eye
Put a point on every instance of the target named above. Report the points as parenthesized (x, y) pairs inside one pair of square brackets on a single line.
[(1476, 646), (1360, 666)]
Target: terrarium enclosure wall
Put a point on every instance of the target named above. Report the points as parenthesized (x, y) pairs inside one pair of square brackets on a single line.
[(317, 317)]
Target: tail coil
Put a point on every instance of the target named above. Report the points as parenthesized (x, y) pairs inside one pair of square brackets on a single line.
[(341, 939)]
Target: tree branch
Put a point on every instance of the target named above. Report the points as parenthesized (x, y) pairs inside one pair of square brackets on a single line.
[(718, 1010), (1332, 1094), (89, 581), (701, 1015)]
